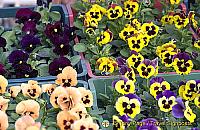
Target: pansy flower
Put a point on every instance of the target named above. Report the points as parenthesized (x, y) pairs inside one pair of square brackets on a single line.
[(150, 29), (197, 101), (2, 69), (167, 58), (193, 86), (48, 88), (3, 121), (129, 105), (25, 14), (180, 20), (65, 119), (90, 22), (54, 96), (58, 64), (132, 6), (127, 72), (124, 86), (148, 124), (106, 65), (32, 91), (135, 24), (127, 14), (29, 28), (69, 32), (86, 97), (120, 123), (25, 70), (85, 124), (158, 85), (114, 11), (96, 12), (181, 110), (127, 32), (134, 60), (28, 107), (186, 94), (182, 63), (27, 123), (105, 37), (2, 42), (166, 100), (69, 98), (136, 43), (80, 110), (53, 30), (67, 78), (148, 68), (197, 44), (174, 2), (29, 43), (167, 19), (3, 84), (61, 46), (17, 57), (191, 16), (3, 103), (169, 46), (14, 91)]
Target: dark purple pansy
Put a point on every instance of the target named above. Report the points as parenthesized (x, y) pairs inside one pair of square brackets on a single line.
[(2, 42), (153, 62), (69, 32), (29, 28), (166, 93), (121, 61), (148, 124), (26, 14), (2, 69), (178, 109), (132, 96), (157, 79), (181, 56), (25, 71), (53, 30), (126, 119), (195, 128), (58, 64), (29, 43), (18, 57), (61, 46)]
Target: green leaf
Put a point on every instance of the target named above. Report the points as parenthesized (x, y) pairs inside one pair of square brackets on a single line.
[(146, 10), (45, 52), (43, 69), (51, 128), (106, 49), (192, 49), (10, 37), (118, 43), (1, 29), (55, 15), (78, 24), (124, 52), (103, 96), (15, 116), (80, 47), (97, 112), (75, 59), (12, 107)]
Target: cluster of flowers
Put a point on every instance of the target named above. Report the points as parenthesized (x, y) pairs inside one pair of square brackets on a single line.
[(128, 105), (138, 34), (32, 37), (71, 102)]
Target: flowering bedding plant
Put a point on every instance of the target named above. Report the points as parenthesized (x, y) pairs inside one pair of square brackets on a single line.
[(34, 106), (38, 45), (136, 30), (132, 104)]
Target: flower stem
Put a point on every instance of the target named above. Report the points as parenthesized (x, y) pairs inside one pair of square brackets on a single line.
[(147, 84)]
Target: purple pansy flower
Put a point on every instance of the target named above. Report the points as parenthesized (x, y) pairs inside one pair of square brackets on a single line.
[(18, 57), (2, 69), (29, 43), (29, 28), (178, 109), (53, 30), (195, 128), (61, 46), (26, 14), (132, 96), (58, 64), (157, 79), (69, 32), (25, 70), (148, 124)]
